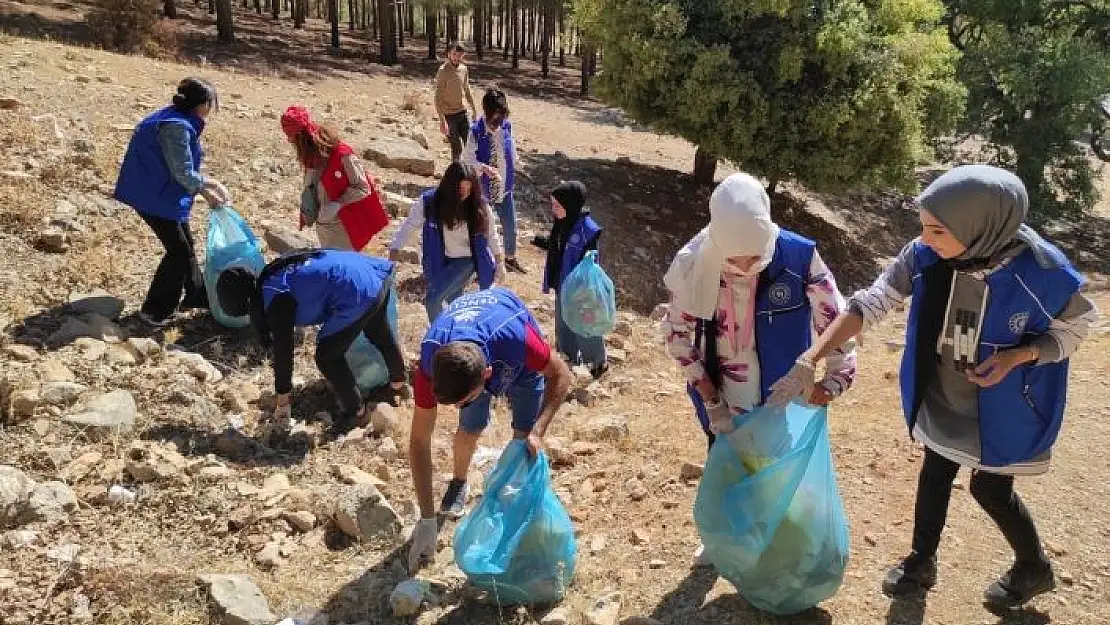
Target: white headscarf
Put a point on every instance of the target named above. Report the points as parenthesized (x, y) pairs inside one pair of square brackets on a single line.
[(739, 225)]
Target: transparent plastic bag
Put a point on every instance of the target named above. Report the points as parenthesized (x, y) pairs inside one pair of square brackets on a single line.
[(231, 243), (365, 360), (587, 300)]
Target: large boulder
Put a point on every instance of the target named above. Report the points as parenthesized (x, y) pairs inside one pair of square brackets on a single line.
[(50, 502), (282, 239), (15, 492), (96, 302), (237, 600), (401, 154), (362, 512), (107, 415)]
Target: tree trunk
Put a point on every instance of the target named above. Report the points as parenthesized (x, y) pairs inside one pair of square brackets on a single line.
[(275, 9), (400, 25), (705, 167), (431, 25), (411, 20), (506, 33), (562, 35), (478, 23), (169, 9), (533, 30), (589, 59), (387, 17), (225, 28), (516, 33), (211, 6), (258, 7), (545, 43), (298, 13), (333, 15)]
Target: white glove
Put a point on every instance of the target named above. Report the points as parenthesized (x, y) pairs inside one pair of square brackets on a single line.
[(329, 212), (798, 382), (424, 539), (720, 418)]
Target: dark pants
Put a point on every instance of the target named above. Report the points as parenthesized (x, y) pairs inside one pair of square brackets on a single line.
[(458, 127), (177, 273), (331, 353), (994, 493)]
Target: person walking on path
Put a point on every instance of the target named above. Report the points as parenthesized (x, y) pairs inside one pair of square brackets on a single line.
[(452, 85)]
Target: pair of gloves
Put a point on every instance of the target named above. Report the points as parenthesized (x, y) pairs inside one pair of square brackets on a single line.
[(798, 382)]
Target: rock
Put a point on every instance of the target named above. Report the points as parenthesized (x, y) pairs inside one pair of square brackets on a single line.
[(8, 103), (81, 466), (281, 239), (420, 138), (144, 346), (96, 302), (109, 414), (655, 565), (151, 462), (19, 539), (615, 341), (383, 420), (50, 502), (61, 393), (870, 539), (597, 544), (65, 552), (407, 597), (558, 616), (303, 521), (605, 611), (559, 452), (52, 370), (238, 600), (617, 356), (350, 474), (640, 620), (591, 395), (276, 485), (639, 537), (397, 205), (387, 450), (401, 154), (53, 458), (623, 328), (23, 404), (53, 240), (91, 326), (235, 445), (15, 491), (582, 448), (612, 429), (198, 367), (660, 311), (120, 355), (636, 490), (895, 346), (363, 513), (408, 256), (690, 470), (92, 349), (22, 353), (270, 556)]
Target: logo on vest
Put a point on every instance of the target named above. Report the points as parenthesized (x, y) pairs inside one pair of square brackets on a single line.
[(779, 294), (1018, 321)]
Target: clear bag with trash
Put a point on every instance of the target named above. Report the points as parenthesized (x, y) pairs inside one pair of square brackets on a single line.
[(231, 243), (587, 299), (365, 360)]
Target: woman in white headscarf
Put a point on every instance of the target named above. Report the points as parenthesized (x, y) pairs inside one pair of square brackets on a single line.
[(747, 299)]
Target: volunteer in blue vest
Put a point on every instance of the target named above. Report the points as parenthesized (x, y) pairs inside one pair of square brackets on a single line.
[(485, 344), (346, 293), (747, 299), (491, 150), (159, 177), (458, 237), (573, 233), (995, 314)]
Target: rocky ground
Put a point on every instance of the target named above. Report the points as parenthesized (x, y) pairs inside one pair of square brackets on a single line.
[(139, 483)]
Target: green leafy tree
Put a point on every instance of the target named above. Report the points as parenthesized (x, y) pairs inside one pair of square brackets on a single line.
[(832, 94)]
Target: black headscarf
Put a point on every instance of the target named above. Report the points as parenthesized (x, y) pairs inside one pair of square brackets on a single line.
[(572, 195), (239, 290)]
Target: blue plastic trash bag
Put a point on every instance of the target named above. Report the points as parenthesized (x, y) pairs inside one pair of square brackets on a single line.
[(365, 360), (230, 244), (587, 301), (518, 543), (769, 511)]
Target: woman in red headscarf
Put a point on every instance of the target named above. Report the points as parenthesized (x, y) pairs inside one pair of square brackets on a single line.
[(339, 197)]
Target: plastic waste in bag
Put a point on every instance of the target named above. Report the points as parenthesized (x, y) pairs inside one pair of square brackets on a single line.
[(230, 244), (518, 543), (587, 301), (365, 360), (769, 511)]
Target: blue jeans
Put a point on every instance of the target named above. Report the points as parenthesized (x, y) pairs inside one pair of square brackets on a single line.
[(452, 282), (588, 350), (525, 399), (506, 213)]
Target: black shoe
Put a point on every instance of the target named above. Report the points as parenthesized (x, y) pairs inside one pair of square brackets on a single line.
[(1018, 586), (513, 264), (599, 370), (453, 505), (914, 574)]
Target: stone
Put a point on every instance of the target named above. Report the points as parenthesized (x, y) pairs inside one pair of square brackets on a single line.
[(640, 620), (80, 467), (91, 349), (398, 206), (623, 328), (281, 239), (15, 491), (558, 616), (639, 537), (53, 458), (362, 512), (151, 462), (605, 611), (690, 470), (303, 521), (65, 552), (53, 240), (198, 367), (583, 448), (50, 502), (559, 452), (96, 302), (61, 393), (238, 600), (107, 415), (92, 326), (655, 565), (660, 311), (270, 556), (22, 353), (144, 346), (120, 355), (383, 420), (53, 370), (401, 154), (420, 138), (387, 450), (350, 474), (636, 490), (612, 429), (23, 404), (20, 539), (598, 544), (591, 395), (8, 103), (276, 485), (407, 597), (617, 356)]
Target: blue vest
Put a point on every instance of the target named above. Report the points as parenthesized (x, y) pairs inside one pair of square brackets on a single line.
[(334, 289), (494, 319), (434, 258), (145, 182), (783, 318), (1020, 417), (585, 230), (485, 145)]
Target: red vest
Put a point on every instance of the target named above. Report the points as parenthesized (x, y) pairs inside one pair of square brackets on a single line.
[(362, 219)]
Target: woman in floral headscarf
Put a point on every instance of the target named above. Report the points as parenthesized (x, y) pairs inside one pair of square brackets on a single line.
[(339, 197)]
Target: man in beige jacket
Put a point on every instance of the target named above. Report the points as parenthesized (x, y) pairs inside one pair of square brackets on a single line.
[(452, 84)]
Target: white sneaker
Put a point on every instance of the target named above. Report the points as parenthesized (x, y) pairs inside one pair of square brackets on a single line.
[(701, 559)]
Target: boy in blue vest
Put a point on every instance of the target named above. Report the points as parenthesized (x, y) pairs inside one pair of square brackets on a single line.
[(492, 150), (344, 292), (748, 298), (995, 314), (573, 233), (485, 344)]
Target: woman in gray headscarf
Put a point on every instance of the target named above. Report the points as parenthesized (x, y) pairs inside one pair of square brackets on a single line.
[(995, 315)]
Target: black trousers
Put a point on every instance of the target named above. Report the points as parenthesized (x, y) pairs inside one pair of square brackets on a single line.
[(177, 273), (331, 353), (993, 492), (458, 127)]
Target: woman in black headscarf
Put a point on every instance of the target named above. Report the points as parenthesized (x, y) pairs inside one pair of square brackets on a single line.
[(995, 315), (573, 233)]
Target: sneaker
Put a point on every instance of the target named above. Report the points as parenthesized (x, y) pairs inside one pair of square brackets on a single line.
[(701, 559), (913, 574), (453, 505), (599, 370), (151, 321), (513, 264), (1018, 586)]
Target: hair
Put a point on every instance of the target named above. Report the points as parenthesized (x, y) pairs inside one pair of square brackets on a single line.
[(314, 146), (450, 211), (194, 92), (458, 368), (495, 102), (456, 46)]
